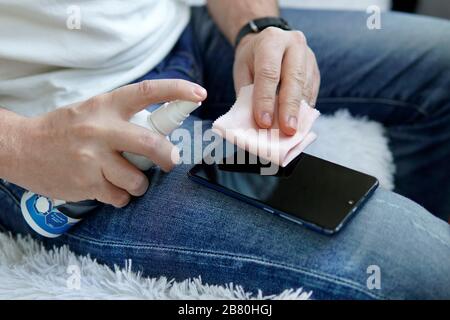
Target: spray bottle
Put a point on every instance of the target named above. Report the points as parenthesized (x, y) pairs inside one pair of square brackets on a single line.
[(52, 218)]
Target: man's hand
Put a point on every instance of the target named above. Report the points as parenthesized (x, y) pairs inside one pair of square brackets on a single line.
[(277, 60), (74, 153), (271, 59)]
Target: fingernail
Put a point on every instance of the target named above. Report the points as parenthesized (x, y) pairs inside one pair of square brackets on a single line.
[(266, 119), (200, 92), (293, 123)]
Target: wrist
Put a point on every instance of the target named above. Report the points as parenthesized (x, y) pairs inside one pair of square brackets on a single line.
[(232, 15), (15, 133), (245, 22)]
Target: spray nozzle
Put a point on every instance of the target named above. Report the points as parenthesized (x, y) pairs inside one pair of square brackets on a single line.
[(171, 115)]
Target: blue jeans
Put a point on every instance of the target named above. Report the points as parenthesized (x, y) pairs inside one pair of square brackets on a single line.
[(399, 76)]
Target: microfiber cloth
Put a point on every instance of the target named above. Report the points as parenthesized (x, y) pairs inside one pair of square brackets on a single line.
[(239, 127)]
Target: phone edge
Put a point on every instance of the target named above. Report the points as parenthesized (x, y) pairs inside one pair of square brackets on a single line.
[(284, 215)]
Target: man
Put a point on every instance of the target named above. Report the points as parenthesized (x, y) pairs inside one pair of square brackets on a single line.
[(398, 75)]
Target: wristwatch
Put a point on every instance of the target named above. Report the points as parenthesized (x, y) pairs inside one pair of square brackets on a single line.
[(258, 25)]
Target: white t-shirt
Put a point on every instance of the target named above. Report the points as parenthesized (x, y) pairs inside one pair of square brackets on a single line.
[(57, 52)]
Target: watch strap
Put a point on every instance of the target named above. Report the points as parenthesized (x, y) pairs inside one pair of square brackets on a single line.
[(258, 25)]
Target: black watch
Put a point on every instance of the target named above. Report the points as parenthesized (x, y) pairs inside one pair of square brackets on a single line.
[(258, 25)]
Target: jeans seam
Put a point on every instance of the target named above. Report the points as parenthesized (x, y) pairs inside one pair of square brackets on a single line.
[(390, 102), (326, 277)]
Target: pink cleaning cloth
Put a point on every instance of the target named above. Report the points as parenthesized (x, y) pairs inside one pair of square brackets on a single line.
[(238, 127)]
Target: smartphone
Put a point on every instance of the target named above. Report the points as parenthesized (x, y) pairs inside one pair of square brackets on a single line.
[(310, 191)]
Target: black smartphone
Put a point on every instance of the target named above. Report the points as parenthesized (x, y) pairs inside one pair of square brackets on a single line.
[(310, 191)]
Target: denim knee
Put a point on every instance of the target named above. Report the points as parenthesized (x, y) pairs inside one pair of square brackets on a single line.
[(416, 260)]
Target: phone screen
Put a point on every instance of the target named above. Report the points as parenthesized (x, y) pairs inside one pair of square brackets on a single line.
[(310, 190)]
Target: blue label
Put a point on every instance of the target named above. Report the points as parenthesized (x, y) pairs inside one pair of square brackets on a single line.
[(52, 221), (56, 219)]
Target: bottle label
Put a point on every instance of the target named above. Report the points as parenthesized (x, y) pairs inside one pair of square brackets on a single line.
[(42, 216)]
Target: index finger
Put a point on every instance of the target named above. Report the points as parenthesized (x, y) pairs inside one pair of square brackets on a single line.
[(267, 78), (131, 99)]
